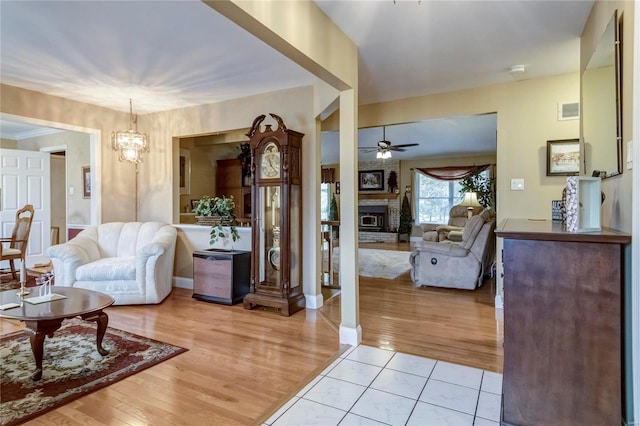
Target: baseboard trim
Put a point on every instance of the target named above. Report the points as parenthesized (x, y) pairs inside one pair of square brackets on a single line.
[(314, 301), (350, 336), (181, 282)]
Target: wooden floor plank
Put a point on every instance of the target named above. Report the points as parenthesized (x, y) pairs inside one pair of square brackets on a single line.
[(242, 364)]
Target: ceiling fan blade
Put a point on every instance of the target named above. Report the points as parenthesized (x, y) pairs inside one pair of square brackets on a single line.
[(394, 148), (406, 145), (367, 149)]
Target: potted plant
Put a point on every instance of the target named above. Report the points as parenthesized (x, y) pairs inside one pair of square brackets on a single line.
[(218, 213), (406, 221), (245, 162), (483, 186), (333, 208)]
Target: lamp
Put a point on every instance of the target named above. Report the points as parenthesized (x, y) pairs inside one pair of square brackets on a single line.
[(129, 143), (470, 201)]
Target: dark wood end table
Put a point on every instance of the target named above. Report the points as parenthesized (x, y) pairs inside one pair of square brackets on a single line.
[(45, 318)]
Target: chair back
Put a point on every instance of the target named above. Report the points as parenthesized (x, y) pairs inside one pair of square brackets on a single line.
[(458, 215), (22, 229)]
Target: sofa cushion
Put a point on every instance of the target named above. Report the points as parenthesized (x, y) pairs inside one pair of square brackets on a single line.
[(471, 231), (108, 269)]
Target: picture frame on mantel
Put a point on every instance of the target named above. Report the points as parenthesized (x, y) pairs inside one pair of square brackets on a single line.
[(563, 157), (370, 180)]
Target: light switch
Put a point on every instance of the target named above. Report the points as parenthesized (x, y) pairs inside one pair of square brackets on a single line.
[(517, 184), (629, 155), (72, 190)]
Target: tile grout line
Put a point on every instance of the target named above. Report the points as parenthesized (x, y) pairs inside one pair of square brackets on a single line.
[(420, 394)]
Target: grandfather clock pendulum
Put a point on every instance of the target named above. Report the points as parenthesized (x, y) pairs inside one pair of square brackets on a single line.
[(276, 259)]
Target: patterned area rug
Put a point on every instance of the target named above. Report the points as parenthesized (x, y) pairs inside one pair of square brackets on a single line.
[(72, 367), (376, 263), (8, 283)]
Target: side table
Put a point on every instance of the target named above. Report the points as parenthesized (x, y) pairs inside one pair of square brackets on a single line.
[(221, 276)]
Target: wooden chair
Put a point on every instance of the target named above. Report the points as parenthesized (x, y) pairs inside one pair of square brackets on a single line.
[(17, 244)]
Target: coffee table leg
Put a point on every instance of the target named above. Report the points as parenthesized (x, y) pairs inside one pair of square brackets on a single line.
[(37, 331), (102, 320)]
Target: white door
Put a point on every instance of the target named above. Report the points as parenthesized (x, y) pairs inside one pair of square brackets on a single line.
[(24, 179)]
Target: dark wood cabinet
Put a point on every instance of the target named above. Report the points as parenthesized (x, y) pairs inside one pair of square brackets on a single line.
[(221, 276), (563, 319), (229, 183)]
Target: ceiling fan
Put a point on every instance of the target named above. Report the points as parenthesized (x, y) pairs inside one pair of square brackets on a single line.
[(384, 147)]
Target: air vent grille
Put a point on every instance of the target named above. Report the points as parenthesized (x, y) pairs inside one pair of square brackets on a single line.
[(568, 110)]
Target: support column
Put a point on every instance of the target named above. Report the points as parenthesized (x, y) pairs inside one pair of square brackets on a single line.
[(350, 330)]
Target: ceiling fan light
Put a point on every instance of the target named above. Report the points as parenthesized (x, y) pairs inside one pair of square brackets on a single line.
[(379, 155), (386, 155)]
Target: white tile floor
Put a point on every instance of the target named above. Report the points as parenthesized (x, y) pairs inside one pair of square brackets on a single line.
[(371, 386)]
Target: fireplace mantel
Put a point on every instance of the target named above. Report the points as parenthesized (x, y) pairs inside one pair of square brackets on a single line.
[(378, 196)]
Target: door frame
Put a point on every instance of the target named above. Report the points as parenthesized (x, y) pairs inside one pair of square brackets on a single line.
[(95, 137), (50, 150)]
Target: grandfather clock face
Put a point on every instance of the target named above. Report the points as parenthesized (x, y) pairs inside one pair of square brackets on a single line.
[(270, 161)]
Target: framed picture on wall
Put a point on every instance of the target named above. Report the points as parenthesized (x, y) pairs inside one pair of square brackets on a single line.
[(86, 182), (563, 157), (185, 171), (370, 180)]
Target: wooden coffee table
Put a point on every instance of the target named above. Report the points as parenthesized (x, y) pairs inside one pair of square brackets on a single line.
[(45, 318)]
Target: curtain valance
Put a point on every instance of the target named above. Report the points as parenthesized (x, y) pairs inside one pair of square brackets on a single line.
[(328, 175), (452, 172)]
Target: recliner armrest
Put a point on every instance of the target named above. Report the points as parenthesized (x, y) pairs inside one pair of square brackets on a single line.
[(443, 249)]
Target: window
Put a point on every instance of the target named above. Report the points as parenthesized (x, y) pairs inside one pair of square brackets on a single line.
[(325, 200), (434, 198)]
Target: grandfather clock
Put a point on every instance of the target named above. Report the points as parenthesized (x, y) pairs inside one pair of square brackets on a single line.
[(276, 260)]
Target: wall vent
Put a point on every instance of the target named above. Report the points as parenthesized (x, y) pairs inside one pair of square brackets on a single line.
[(568, 110)]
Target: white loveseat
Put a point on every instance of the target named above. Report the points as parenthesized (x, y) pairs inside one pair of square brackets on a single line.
[(132, 262)]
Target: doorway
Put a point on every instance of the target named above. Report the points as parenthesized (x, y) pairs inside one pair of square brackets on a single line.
[(58, 198)]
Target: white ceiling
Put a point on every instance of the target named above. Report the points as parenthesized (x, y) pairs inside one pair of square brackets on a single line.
[(172, 54)]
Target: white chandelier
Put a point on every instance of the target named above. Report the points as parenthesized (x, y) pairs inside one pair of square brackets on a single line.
[(129, 143)]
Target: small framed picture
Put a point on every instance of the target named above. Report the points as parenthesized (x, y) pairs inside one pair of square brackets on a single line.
[(185, 171), (86, 182), (194, 204), (371, 180), (563, 157)]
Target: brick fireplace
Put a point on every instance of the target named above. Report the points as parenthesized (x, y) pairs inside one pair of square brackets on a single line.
[(373, 218)]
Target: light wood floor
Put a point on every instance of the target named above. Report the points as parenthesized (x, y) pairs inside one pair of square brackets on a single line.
[(241, 365)]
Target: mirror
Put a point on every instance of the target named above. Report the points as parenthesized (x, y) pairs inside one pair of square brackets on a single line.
[(601, 106)]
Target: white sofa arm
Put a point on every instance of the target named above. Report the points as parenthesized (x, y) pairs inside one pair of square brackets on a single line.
[(69, 256), (154, 264)]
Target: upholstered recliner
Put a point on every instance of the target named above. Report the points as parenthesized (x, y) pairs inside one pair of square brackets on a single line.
[(458, 218), (457, 264), (132, 262)]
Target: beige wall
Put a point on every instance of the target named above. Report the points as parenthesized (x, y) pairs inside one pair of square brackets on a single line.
[(8, 144), (599, 120), (617, 208), (527, 118), (116, 178)]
